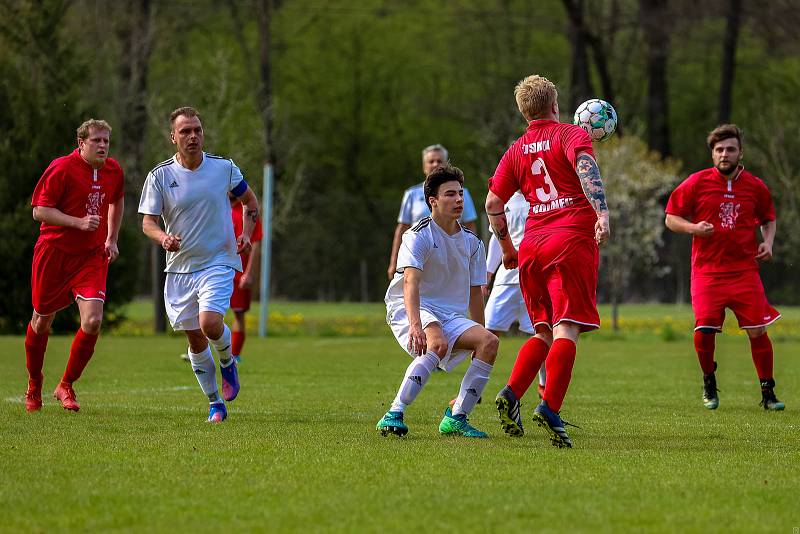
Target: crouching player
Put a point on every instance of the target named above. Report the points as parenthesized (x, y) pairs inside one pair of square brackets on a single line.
[(441, 267)]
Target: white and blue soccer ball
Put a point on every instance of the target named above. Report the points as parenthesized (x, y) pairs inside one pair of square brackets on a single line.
[(597, 117)]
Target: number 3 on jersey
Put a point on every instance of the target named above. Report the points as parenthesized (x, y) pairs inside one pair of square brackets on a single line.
[(551, 193)]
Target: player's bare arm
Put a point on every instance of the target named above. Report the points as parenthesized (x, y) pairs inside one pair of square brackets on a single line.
[(253, 261), (495, 209), (115, 211), (592, 184), (56, 217), (417, 342), (152, 229), (249, 220), (765, 247), (678, 224), (398, 238), (476, 305)]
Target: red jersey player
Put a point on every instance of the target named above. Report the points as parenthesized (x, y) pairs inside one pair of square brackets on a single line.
[(79, 201), (722, 207), (243, 282), (554, 167)]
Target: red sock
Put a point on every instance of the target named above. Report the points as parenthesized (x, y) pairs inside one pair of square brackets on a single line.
[(559, 364), (704, 345), (237, 342), (79, 355), (526, 367), (35, 346), (761, 348)]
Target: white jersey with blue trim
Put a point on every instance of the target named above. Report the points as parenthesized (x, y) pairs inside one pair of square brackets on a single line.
[(450, 265), (413, 207), (194, 206)]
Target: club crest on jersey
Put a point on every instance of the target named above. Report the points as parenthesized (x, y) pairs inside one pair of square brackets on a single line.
[(728, 213), (93, 202)]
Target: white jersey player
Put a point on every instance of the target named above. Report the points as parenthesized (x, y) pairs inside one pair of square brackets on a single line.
[(506, 305), (441, 268), (190, 193)]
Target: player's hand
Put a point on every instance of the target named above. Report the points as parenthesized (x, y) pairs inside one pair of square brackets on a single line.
[(390, 271), (764, 252), (89, 223), (243, 245), (417, 343), (111, 250), (602, 230), (246, 281), (171, 243), (703, 229), (510, 260)]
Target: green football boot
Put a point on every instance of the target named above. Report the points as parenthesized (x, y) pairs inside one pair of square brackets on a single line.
[(458, 425), (392, 423)]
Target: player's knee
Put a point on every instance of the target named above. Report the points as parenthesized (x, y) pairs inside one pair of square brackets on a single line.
[(211, 327), (41, 323), (92, 324), (438, 347), (756, 332), (707, 330)]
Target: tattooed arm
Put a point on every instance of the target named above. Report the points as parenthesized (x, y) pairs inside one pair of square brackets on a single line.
[(249, 220), (592, 184), (495, 209)]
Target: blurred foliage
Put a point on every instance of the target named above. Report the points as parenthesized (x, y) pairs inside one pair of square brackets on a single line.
[(359, 90)]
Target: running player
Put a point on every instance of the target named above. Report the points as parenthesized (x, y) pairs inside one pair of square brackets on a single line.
[(243, 281), (721, 208), (189, 192), (79, 201)]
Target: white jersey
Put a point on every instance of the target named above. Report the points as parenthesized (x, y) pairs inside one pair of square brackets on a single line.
[(413, 207), (516, 209), (450, 265), (194, 205)]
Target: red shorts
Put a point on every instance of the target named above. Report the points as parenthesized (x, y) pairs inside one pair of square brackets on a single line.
[(741, 292), (57, 278), (240, 300), (558, 278)]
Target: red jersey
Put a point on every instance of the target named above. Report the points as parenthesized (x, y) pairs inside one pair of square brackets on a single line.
[(238, 225), (541, 164), (72, 186), (735, 208)]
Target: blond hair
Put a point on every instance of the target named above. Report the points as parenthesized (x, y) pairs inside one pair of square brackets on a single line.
[(97, 124), (535, 94)]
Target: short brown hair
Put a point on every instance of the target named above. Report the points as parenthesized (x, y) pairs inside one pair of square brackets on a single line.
[(722, 132), (97, 124), (186, 111), (534, 95), (441, 174)]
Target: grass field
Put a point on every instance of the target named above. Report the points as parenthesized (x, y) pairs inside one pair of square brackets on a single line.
[(300, 451)]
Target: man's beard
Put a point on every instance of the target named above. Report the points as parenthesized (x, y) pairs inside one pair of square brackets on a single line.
[(727, 167)]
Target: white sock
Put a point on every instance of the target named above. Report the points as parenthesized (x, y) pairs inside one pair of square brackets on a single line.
[(206, 373), (475, 380), (223, 346), (542, 375), (414, 380)]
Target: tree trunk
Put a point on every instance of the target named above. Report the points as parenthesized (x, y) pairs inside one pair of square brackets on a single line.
[(264, 10), (580, 83), (654, 21), (729, 60)]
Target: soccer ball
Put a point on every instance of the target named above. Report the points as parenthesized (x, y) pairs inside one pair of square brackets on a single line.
[(597, 117)]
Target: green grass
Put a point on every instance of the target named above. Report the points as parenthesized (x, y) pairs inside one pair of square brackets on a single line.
[(300, 451)]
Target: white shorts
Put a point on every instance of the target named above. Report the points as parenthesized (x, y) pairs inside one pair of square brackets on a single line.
[(452, 327), (506, 305), (187, 294)]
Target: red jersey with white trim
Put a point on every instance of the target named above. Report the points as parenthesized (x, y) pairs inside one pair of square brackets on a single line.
[(72, 186), (735, 207), (237, 212), (541, 164)]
